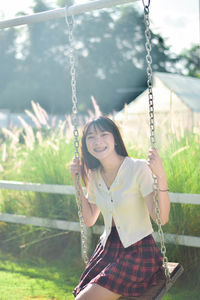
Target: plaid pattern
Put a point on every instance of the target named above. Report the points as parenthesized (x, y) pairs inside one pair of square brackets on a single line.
[(125, 271)]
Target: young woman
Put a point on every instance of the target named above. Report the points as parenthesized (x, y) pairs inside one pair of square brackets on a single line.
[(126, 260)]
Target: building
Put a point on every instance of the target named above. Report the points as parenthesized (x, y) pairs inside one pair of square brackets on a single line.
[(176, 106)]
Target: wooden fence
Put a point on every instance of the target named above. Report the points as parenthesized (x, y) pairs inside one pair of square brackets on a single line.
[(184, 240)]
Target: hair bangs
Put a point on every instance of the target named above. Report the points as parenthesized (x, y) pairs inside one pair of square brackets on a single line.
[(100, 124)]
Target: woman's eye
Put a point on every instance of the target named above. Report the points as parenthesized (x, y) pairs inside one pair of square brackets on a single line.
[(90, 137)]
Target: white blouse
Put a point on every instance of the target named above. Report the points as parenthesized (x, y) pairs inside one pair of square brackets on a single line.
[(124, 200)]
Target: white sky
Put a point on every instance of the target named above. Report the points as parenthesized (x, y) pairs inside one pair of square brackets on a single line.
[(176, 20)]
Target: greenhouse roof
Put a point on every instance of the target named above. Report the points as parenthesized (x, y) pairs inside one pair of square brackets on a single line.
[(185, 87)]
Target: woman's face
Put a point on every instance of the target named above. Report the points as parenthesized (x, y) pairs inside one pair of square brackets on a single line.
[(100, 143)]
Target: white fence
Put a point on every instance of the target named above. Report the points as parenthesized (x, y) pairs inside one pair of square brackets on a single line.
[(184, 240)]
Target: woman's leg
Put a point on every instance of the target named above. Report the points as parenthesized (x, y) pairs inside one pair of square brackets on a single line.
[(96, 292)]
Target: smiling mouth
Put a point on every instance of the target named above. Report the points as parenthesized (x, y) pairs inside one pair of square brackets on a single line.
[(98, 150)]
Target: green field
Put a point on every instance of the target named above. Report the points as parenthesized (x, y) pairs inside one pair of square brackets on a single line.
[(37, 279)]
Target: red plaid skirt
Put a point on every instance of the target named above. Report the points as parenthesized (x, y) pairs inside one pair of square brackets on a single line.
[(125, 271)]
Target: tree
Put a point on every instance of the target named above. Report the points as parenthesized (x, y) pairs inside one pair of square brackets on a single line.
[(8, 61), (40, 74), (115, 56), (190, 61), (45, 72), (110, 56)]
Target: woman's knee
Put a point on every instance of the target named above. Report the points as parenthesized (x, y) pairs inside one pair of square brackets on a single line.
[(80, 297), (96, 292), (84, 295)]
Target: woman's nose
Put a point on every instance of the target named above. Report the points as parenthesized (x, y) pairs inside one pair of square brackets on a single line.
[(97, 139)]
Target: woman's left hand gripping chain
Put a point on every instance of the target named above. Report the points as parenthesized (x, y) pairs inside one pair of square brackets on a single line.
[(155, 163)]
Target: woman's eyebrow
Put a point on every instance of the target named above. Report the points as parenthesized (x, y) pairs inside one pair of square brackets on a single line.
[(90, 133), (95, 132)]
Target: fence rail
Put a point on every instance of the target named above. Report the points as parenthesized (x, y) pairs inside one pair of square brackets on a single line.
[(69, 190), (184, 240)]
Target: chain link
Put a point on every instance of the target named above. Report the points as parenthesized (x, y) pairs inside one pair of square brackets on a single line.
[(70, 23), (152, 136)]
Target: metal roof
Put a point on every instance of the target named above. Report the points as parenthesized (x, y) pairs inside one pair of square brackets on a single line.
[(185, 87)]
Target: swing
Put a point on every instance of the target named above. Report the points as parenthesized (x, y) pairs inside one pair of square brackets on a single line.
[(172, 270)]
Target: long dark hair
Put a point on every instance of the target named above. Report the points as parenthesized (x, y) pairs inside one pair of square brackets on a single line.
[(88, 161)]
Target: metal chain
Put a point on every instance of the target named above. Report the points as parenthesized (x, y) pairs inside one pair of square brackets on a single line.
[(152, 134), (70, 23)]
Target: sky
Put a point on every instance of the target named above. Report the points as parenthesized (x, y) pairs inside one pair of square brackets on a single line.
[(176, 20)]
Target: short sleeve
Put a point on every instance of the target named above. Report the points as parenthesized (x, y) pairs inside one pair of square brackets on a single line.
[(145, 179), (91, 189)]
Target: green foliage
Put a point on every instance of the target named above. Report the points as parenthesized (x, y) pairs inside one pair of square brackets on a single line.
[(40, 156), (7, 57), (110, 55), (190, 60)]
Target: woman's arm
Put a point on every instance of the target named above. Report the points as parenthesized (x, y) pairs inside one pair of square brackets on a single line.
[(90, 211), (155, 164)]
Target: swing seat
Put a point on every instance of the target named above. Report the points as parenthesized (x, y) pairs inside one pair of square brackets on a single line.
[(158, 291)]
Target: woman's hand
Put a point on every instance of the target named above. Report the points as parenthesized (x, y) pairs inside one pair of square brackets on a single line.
[(75, 168), (156, 166), (155, 163)]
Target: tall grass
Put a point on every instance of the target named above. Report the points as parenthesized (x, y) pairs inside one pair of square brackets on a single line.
[(180, 151), (43, 155)]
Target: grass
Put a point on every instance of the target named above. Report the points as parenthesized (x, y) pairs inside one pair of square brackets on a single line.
[(38, 279), (182, 293)]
